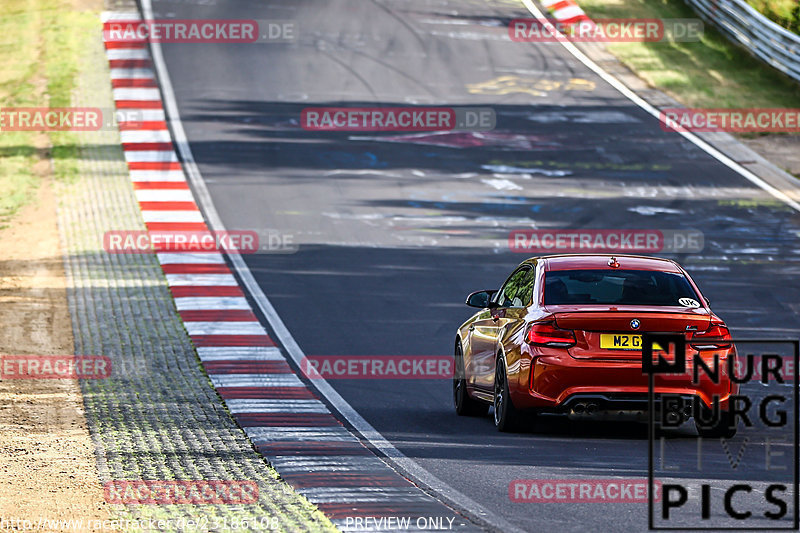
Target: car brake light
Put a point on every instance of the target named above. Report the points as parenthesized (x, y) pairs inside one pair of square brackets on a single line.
[(711, 339), (547, 334)]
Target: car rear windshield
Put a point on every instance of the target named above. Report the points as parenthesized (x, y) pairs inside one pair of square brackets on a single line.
[(620, 287)]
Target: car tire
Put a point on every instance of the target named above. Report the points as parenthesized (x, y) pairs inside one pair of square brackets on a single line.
[(465, 406), (724, 427), (506, 417)]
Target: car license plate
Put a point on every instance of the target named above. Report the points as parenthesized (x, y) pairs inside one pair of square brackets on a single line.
[(612, 341)]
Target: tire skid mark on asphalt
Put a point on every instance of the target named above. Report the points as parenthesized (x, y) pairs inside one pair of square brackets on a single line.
[(283, 418)]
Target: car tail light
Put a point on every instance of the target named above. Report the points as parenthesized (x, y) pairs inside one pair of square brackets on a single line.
[(711, 339), (547, 334)]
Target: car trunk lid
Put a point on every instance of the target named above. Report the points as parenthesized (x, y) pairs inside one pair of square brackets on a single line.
[(591, 323)]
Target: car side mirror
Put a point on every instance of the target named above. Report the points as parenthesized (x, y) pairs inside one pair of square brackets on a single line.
[(481, 299)]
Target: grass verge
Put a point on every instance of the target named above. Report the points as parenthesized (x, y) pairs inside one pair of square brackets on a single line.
[(710, 73), (39, 45), (783, 12)]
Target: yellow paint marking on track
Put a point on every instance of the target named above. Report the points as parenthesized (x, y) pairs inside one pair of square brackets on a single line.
[(536, 87)]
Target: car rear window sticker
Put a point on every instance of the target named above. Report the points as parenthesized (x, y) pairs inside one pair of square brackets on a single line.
[(689, 302)]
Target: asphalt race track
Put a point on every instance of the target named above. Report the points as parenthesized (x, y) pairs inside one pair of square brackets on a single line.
[(395, 229)]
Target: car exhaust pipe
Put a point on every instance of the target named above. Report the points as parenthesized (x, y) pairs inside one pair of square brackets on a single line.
[(591, 408), (579, 409)]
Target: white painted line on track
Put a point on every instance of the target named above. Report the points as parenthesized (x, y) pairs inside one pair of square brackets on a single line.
[(282, 333), (316, 437), (638, 100)]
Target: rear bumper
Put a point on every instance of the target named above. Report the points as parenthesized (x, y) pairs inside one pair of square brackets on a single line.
[(618, 402), (627, 406), (559, 381)]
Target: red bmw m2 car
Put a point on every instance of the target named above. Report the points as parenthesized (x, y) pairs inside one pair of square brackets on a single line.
[(563, 335)]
